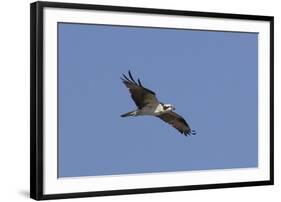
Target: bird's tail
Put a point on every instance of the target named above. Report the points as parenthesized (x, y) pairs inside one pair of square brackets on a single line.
[(132, 113)]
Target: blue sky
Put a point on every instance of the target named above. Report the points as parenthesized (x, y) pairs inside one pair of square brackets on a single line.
[(210, 77)]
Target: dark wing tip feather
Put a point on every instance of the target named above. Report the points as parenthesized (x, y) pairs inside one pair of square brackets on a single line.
[(131, 77), (126, 78), (132, 80), (189, 132), (139, 83), (193, 132)]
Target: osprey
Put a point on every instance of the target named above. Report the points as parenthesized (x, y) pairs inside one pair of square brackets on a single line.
[(148, 104)]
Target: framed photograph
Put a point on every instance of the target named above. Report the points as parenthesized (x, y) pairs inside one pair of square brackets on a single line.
[(131, 100)]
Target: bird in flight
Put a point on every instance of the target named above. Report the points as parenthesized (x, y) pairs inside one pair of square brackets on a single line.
[(148, 104)]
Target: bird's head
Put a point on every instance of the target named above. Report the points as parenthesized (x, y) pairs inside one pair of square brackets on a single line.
[(168, 107)]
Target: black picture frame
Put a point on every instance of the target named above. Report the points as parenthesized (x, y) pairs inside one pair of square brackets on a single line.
[(37, 101)]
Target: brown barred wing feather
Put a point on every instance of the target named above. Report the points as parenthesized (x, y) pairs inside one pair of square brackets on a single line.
[(140, 95), (177, 122)]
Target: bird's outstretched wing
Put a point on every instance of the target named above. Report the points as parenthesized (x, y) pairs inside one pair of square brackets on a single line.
[(177, 122), (141, 95)]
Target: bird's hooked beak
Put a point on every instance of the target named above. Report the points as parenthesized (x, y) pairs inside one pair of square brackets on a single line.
[(173, 108)]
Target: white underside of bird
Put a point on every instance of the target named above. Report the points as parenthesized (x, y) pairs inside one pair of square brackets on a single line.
[(155, 110)]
